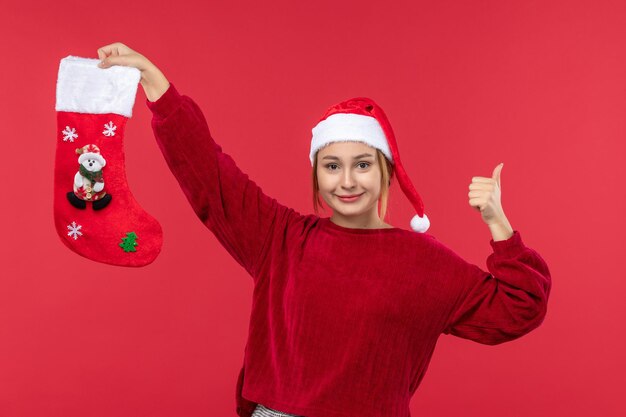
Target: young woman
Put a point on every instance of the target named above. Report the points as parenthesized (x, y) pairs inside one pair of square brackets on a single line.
[(346, 310)]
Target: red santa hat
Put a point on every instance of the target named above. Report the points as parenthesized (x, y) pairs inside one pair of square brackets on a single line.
[(361, 119)]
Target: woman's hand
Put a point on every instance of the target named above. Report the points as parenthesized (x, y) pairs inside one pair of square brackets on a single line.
[(153, 81), (484, 196)]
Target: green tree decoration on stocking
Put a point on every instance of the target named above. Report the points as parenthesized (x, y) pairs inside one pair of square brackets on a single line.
[(129, 242)]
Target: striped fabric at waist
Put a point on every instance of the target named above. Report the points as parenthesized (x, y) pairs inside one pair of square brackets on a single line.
[(262, 411)]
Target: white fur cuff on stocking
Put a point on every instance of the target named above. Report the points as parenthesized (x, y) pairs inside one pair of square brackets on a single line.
[(83, 87)]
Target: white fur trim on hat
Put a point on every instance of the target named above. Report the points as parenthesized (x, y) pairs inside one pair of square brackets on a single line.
[(83, 87), (420, 224), (346, 127)]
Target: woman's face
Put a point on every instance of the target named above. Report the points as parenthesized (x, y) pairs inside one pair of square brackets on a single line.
[(349, 169)]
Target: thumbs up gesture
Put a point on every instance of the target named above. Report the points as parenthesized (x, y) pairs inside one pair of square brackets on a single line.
[(484, 196)]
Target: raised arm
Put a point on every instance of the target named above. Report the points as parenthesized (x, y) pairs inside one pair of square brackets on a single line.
[(225, 199), (231, 205), (505, 303)]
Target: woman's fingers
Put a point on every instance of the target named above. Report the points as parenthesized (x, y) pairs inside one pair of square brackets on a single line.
[(105, 50), (482, 179), (475, 193), (113, 49), (110, 61), (115, 54), (481, 186), (119, 54)]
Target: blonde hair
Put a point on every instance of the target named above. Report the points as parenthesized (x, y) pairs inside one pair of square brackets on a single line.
[(386, 169)]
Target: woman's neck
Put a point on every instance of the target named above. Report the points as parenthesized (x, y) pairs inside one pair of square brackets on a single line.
[(359, 223)]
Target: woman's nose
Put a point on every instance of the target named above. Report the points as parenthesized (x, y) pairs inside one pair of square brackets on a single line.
[(347, 180)]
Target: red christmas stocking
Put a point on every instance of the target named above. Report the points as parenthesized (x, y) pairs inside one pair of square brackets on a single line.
[(95, 213)]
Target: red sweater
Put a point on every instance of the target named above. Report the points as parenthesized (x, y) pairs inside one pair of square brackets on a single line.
[(344, 321)]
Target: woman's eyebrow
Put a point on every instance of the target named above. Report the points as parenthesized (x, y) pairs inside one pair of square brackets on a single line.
[(363, 155)]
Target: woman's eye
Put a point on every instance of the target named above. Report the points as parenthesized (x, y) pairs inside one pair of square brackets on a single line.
[(363, 165)]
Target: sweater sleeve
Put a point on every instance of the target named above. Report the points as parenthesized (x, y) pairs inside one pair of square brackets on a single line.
[(223, 197), (505, 303)]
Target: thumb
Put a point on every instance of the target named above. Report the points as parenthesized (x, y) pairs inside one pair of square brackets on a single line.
[(496, 173), (113, 60)]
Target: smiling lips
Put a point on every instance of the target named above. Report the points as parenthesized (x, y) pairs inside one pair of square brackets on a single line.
[(349, 199)]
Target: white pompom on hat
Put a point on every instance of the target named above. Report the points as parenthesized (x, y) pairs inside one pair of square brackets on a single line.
[(361, 119)]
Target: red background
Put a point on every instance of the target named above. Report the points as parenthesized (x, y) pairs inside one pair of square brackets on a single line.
[(538, 85)]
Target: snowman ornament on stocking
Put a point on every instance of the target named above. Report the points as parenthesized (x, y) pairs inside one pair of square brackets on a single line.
[(88, 181), (95, 213)]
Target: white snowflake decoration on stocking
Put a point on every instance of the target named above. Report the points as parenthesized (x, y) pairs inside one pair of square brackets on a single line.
[(69, 134), (74, 230), (109, 129)]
